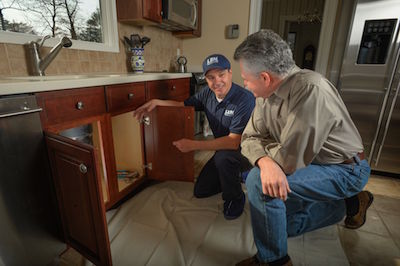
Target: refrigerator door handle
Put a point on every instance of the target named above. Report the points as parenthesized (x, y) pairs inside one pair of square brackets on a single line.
[(387, 89), (387, 123)]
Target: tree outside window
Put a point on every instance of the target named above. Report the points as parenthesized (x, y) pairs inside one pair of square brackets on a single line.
[(77, 19)]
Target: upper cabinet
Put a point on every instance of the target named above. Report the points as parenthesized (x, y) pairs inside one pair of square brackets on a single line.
[(177, 16), (139, 11)]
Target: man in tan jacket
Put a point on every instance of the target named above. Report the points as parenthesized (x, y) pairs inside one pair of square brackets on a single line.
[(309, 166)]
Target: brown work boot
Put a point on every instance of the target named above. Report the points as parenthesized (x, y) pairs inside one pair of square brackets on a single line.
[(253, 261), (357, 209)]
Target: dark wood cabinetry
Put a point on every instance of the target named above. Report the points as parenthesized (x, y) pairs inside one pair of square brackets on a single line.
[(139, 11), (85, 173), (76, 177), (171, 89), (69, 105), (149, 12), (125, 97)]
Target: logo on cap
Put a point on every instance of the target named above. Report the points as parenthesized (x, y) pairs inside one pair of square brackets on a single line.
[(212, 60)]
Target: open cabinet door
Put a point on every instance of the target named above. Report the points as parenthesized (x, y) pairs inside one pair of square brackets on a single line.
[(75, 174), (164, 125)]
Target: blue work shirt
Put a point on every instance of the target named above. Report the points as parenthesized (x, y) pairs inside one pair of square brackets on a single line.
[(228, 116)]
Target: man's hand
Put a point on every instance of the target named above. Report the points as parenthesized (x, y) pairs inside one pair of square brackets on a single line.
[(145, 108), (184, 145), (273, 179)]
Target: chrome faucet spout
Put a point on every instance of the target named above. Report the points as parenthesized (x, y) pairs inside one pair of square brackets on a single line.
[(38, 65)]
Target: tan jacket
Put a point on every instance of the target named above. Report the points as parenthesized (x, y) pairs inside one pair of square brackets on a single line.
[(305, 121)]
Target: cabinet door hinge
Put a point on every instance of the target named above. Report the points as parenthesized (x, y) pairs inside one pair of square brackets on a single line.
[(148, 166)]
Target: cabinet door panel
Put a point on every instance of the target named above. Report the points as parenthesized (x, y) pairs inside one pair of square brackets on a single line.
[(68, 105), (125, 97), (170, 89), (168, 124), (76, 178), (152, 10)]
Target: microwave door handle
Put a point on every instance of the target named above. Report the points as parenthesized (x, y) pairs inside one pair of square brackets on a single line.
[(194, 13)]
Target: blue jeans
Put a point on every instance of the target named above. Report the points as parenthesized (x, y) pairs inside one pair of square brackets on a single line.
[(316, 200)]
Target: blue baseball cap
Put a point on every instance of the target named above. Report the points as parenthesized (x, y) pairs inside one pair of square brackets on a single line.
[(215, 61)]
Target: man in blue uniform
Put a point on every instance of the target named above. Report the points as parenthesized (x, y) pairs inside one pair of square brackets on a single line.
[(228, 108)]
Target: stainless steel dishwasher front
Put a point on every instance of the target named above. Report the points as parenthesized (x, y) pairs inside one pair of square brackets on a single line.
[(29, 223)]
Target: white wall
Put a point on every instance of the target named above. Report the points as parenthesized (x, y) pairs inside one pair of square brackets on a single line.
[(215, 16)]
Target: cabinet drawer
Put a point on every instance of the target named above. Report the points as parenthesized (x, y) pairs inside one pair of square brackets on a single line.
[(125, 96), (171, 89), (67, 105)]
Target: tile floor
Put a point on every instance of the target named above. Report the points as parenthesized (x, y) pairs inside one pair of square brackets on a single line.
[(376, 243)]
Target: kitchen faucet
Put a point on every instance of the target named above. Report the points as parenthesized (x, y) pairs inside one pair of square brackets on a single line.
[(38, 64)]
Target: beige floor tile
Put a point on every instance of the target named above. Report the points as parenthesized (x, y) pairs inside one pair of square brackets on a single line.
[(392, 221), (324, 241), (373, 224), (363, 248), (383, 204), (384, 186)]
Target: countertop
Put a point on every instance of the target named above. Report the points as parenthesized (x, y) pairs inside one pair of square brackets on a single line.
[(30, 84)]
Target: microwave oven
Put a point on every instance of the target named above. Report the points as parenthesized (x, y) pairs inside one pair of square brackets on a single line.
[(179, 15)]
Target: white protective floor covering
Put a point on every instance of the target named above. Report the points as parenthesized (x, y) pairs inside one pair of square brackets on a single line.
[(165, 225)]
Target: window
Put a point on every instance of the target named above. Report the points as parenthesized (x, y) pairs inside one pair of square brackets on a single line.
[(91, 24)]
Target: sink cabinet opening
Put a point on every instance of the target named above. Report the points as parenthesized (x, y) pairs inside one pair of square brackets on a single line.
[(128, 149), (91, 134)]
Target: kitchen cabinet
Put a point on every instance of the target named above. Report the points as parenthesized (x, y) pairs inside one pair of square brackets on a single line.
[(85, 172), (149, 12), (171, 89), (140, 12)]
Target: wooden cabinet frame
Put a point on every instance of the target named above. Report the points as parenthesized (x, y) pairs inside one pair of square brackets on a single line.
[(76, 166)]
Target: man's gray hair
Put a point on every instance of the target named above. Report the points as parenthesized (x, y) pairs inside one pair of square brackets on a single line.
[(265, 51)]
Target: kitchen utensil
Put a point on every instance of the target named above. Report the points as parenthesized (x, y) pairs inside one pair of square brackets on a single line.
[(135, 41), (128, 41), (144, 40)]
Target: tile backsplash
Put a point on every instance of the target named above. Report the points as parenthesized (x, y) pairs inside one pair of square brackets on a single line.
[(158, 55)]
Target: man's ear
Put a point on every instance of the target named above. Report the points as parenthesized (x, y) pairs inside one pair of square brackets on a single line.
[(266, 78)]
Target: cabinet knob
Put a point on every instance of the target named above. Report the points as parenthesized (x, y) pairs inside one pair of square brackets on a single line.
[(173, 87), (83, 168), (130, 96), (146, 120), (79, 105)]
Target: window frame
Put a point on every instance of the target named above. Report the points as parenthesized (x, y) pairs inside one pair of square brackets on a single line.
[(110, 33)]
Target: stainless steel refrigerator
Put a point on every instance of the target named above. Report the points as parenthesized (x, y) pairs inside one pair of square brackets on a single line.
[(369, 80)]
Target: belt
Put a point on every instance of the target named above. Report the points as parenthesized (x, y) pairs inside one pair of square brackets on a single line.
[(351, 160)]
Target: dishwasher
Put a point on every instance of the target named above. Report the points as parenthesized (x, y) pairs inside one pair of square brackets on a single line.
[(29, 224)]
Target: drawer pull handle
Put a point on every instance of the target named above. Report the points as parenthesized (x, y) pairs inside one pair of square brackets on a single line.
[(173, 87), (83, 168), (79, 105), (130, 96)]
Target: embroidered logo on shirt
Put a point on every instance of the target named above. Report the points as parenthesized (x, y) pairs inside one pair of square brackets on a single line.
[(229, 112), (212, 60)]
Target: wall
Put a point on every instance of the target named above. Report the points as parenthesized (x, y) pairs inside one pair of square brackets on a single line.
[(158, 54), (215, 16)]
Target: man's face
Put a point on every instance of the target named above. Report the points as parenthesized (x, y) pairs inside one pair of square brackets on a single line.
[(219, 81), (260, 84)]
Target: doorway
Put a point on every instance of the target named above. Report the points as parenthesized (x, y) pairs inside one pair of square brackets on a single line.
[(299, 23), (303, 38), (269, 14)]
